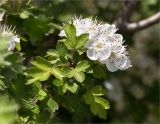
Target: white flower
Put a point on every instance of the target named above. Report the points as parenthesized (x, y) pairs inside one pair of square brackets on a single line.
[(82, 26), (106, 29), (98, 49), (103, 45), (8, 33), (118, 59), (12, 42)]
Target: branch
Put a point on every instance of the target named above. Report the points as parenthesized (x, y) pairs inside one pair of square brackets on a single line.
[(122, 20), (143, 23)]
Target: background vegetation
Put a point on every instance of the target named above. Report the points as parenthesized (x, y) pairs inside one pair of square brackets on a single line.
[(133, 94)]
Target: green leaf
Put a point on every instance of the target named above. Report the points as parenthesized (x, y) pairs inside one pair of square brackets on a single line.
[(81, 41), (98, 90), (24, 15), (58, 73), (98, 110), (18, 46), (79, 76), (52, 105), (37, 74), (97, 104), (41, 63), (70, 31), (71, 35), (52, 53), (82, 66), (8, 110), (72, 88), (57, 82), (101, 101), (41, 95), (61, 48), (2, 85)]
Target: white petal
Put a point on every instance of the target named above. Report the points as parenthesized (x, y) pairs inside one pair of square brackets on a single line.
[(91, 53), (127, 65), (16, 39), (118, 38), (105, 53), (11, 45), (111, 67), (118, 48), (62, 34), (120, 61)]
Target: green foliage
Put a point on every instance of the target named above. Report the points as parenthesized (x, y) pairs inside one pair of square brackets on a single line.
[(97, 104), (48, 80), (8, 110)]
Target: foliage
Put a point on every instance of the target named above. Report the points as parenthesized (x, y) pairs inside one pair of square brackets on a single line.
[(50, 80)]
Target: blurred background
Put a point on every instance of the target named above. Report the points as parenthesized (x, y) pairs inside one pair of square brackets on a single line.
[(134, 93)]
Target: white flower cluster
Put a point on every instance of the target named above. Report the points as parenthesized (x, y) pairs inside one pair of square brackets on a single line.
[(8, 34), (104, 44)]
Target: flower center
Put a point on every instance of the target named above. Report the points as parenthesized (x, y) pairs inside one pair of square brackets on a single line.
[(113, 55), (99, 45)]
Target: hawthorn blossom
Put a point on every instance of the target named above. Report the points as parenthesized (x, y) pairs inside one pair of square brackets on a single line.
[(98, 49), (104, 44), (118, 59), (82, 26), (7, 33), (12, 42)]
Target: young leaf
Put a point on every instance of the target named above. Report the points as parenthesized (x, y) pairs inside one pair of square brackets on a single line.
[(72, 88), (57, 82), (52, 53), (58, 73), (41, 63), (82, 66), (101, 101), (71, 35), (98, 110), (52, 105), (79, 76), (37, 74), (81, 41), (61, 48), (70, 31)]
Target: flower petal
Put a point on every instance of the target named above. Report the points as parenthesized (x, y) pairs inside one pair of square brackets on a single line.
[(121, 61), (105, 53), (110, 65), (91, 53), (127, 65), (118, 48), (118, 38)]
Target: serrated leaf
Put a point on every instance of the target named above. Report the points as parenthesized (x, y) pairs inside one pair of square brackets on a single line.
[(79, 76), (98, 110), (41, 63), (37, 74), (81, 41), (61, 48), (70, 32), (98, 90), (72, 88), (52, 105), (57, 82), (58, 73), (52, 53), (101, 101), (82, 66)]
